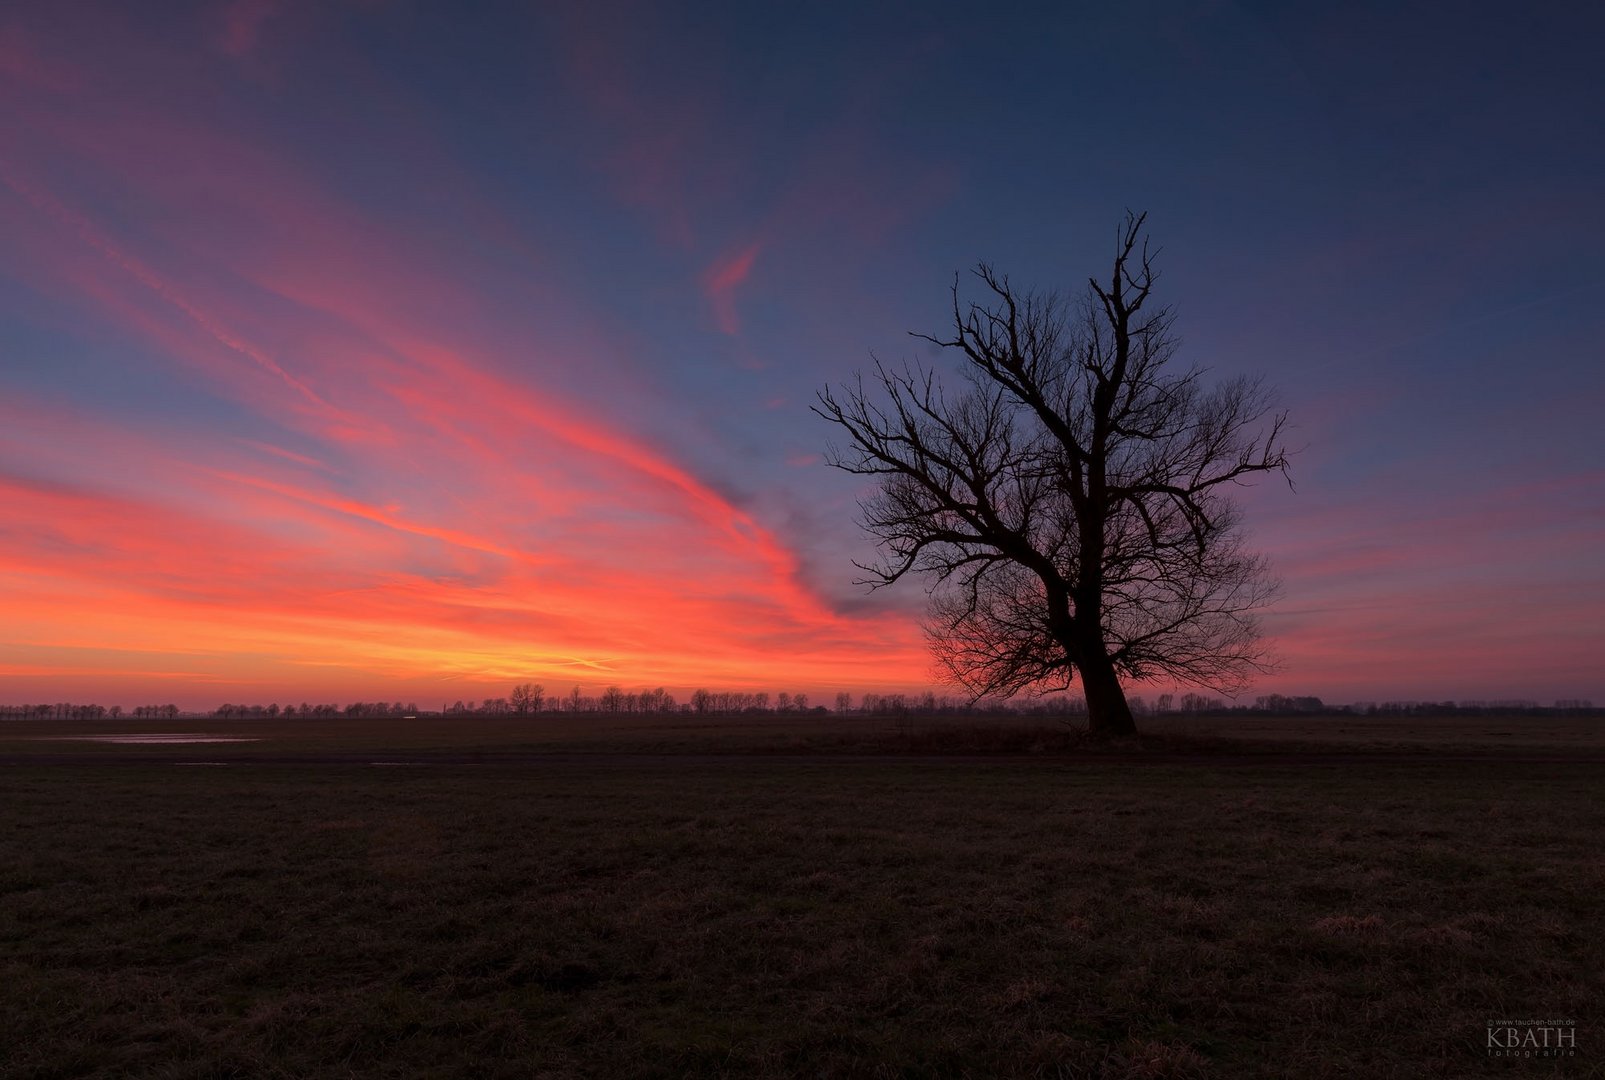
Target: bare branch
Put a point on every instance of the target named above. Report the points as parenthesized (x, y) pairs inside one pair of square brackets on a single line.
[(1070, 505)]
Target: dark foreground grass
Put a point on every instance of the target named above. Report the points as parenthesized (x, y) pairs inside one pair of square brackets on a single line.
[(873, 920)]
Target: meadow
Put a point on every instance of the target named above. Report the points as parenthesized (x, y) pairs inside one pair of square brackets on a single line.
[(752, 898)]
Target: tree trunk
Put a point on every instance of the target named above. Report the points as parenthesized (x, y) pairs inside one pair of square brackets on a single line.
[(1108, 715)]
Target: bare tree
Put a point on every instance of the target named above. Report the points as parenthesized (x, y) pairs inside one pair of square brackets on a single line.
[(526, 698), (1069, 504)]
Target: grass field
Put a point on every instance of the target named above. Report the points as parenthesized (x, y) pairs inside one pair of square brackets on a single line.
[(773, 917), (1494, 735)]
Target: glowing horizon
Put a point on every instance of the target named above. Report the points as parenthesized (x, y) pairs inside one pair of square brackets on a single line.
[(331, 374)]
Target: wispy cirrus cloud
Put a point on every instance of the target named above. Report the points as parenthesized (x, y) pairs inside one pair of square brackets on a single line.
[(722, 280), (368, 353), (406, 505)]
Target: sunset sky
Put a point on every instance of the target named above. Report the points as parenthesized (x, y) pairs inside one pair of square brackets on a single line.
[(405, 350)]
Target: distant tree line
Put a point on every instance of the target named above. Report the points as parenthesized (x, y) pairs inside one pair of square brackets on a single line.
[(355, 709), (1564, 706), (66, 710), (529, 699)]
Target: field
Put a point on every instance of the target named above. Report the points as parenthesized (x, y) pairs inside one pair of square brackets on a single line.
[(830, 899), (502, 738)]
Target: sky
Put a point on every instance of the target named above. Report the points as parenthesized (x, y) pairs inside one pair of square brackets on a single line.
[(407, 350)]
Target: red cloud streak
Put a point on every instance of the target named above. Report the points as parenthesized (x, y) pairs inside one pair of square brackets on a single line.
[(420, 522)]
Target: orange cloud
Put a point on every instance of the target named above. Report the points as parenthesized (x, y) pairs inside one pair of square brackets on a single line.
[(170, 585)]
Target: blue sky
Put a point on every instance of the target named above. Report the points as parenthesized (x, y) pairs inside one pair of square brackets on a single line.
[(490, 336)]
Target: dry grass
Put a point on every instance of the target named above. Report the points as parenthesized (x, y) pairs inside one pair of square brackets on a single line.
[(770, 919)]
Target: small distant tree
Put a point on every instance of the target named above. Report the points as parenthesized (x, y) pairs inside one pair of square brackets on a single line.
[(844, 702), (1070, 502)]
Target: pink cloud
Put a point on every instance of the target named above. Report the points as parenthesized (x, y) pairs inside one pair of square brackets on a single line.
[(655, 147), (437, 516), (22, 60), (721, 281), (242, 25)]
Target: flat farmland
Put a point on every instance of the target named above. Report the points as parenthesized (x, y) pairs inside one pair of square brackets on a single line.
[(492, 738), (754, 901)]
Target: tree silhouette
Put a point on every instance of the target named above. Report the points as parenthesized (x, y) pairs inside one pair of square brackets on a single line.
[(527, 698), (1069, 504)]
